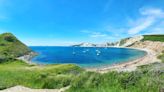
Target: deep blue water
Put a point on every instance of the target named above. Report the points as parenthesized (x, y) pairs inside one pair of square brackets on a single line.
[(85, 56)]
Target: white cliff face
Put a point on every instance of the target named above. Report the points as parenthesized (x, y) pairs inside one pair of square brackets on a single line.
[(122, 43), (107, 44), (130, 41), (85, 44)]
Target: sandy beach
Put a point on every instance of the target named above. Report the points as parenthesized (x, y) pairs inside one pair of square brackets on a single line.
[(150, 57)]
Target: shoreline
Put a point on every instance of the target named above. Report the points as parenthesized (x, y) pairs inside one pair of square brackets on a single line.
[(27, 58), (150, 57)]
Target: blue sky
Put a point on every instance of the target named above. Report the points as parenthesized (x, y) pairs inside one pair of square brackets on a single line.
[(65, 22)]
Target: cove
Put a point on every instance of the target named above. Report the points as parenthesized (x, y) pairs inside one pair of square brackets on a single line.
[(85, 56)]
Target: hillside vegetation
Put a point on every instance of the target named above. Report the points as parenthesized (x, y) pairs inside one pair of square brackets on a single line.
[(33, 76), (147, 78), (11, 47), (154, 38)]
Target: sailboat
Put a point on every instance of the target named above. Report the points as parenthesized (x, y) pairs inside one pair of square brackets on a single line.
[(98, 52), (73, 51)]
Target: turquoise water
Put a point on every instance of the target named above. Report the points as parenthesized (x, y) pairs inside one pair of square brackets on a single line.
[(85, 56)]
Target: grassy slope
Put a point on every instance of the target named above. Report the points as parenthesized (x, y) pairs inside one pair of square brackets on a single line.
[(154, 38), (142, 80), (57, 76), (11, 47), (50, 76)]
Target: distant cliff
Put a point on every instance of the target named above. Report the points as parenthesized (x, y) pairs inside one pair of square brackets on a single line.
[(130, 41), (11, 47), (85, 44), (125, 42), (151, 42)]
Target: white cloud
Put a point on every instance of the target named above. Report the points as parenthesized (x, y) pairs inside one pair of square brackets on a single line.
[(158, 29), (149, 18), (94, 34), (98, 34), (85, 31), (143, 25), (152, 12)]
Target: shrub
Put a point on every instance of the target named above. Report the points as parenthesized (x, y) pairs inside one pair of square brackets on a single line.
[(9, 38)]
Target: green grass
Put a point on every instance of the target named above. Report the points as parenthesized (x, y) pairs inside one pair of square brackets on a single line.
[(154, 38), (161, 56), (142, 80), (50, 76), (11, 47), (148, 78)]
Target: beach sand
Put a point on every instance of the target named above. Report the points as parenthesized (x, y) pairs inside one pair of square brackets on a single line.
[(150, 57)]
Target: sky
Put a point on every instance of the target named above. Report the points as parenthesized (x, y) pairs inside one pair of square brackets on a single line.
[(67, 22)]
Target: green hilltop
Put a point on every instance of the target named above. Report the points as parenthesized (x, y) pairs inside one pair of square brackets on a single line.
[(154, 38), (11, 47)]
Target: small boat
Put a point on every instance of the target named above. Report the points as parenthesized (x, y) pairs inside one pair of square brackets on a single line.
[(73, 53), (84, 51), (98, 54), (97, 50)]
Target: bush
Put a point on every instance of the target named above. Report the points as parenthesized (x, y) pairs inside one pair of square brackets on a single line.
[(9, 38), (130, 79)]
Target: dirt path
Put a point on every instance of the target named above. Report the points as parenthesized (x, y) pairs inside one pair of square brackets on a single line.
[(25, 89)]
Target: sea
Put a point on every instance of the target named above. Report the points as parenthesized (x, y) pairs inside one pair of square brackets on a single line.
[(86, 57)]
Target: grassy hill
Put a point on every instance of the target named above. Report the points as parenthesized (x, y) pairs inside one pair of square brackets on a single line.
[(148, 78), (33, 76), (154, 38), (11, 47)]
